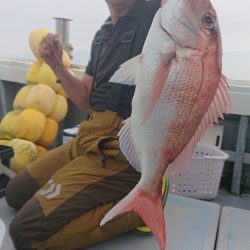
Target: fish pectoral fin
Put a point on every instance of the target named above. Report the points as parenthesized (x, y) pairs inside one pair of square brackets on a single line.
[(128, 71), (167, 53), (127, 147), (147, 206)]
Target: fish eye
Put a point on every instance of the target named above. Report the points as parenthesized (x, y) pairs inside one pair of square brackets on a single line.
[(208, 21)]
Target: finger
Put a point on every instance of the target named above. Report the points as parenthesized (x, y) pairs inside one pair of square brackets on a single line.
[(48, 44), (45, 46), (43, 42), (51, 40), (45, 52), (53, 37)]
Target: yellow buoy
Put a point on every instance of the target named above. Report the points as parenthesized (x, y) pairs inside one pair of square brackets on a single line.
[(60, 108), (20, 99), (49, 133), (41, 98), (30, 125), (4, 142), (33, 72), (8, 124), (41, 150), (35, 38), (25, 152)]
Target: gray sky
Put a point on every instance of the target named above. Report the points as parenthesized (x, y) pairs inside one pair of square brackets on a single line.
[(19, 17)]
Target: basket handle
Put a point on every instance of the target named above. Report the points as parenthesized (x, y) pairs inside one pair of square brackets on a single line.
[(210, 157)]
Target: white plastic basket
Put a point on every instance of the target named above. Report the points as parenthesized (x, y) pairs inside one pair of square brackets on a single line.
[(201, 177)]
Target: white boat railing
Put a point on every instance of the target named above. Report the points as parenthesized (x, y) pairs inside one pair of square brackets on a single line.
[(14, 71)]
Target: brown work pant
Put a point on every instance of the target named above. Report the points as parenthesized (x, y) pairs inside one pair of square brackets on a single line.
[(63, 196)]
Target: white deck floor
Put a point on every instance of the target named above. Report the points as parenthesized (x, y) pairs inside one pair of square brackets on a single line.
[(191, 224), (234, 229)]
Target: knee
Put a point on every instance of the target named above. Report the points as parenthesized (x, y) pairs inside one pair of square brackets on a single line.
[(11, 194), (18, 190)]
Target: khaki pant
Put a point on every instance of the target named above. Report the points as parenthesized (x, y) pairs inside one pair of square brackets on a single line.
[(64, 195)]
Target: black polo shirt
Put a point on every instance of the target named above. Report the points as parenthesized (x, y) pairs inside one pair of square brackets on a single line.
[(113, 45)]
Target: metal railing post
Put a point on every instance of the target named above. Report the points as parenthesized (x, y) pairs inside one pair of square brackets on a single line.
[(63, 29)]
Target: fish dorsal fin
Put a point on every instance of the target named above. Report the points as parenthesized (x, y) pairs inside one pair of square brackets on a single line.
[(127, 146), (128, 71), (219, 105)]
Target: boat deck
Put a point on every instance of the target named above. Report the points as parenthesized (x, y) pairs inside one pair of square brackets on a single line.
[(194, 221), (225, 198), (191, 224)]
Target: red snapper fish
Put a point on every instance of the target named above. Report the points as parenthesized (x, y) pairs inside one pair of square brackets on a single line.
[(180, 91)]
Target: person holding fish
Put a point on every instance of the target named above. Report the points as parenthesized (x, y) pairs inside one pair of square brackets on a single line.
[(180, 91), (63, 196)]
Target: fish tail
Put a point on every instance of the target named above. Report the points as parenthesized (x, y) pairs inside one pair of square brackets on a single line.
[(148, 207)]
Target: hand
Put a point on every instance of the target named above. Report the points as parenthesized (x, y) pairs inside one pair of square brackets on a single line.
[(51, 51)]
